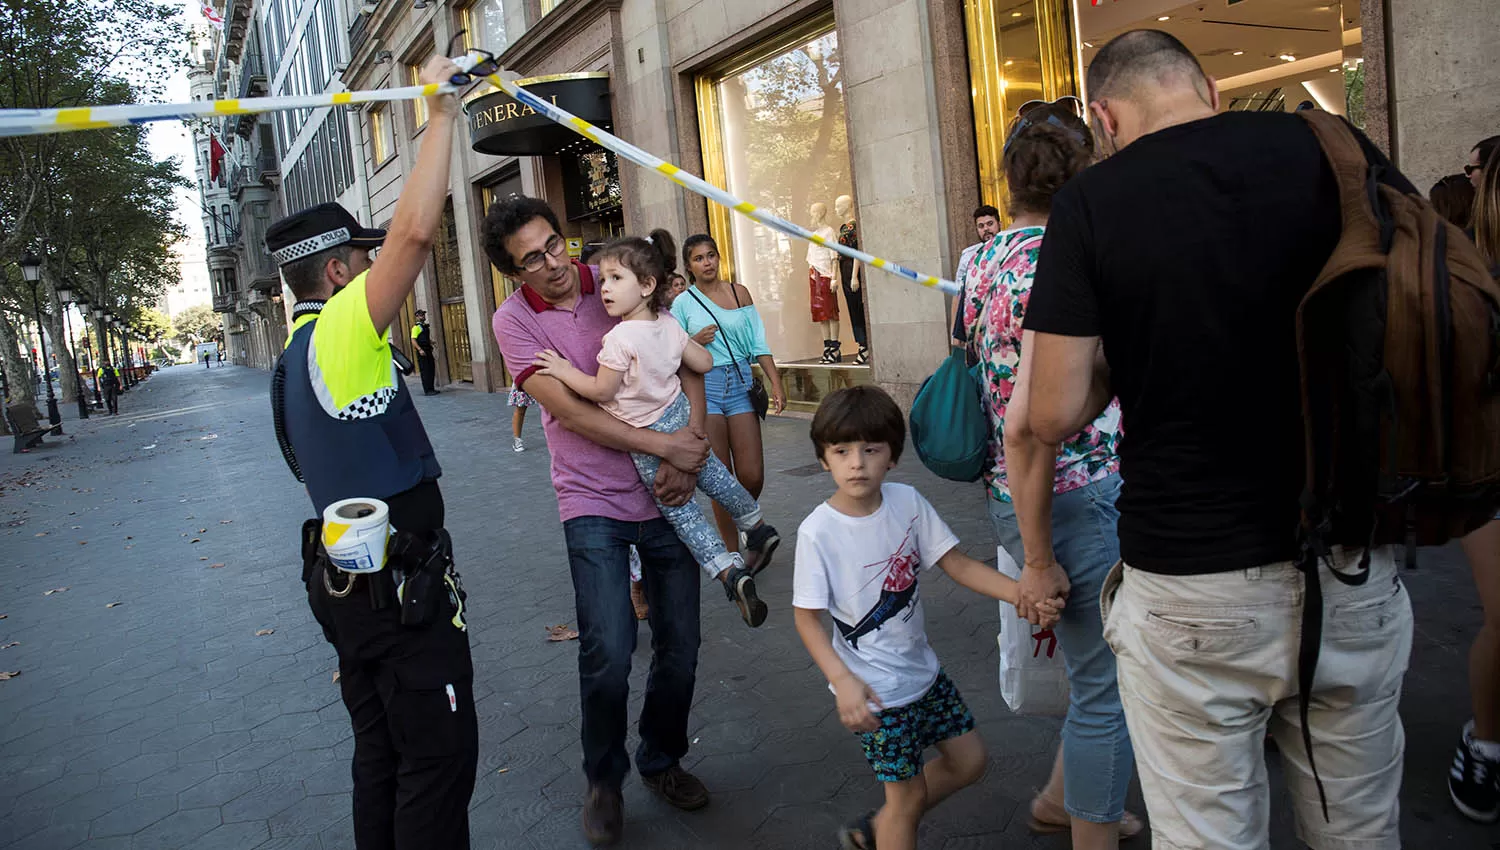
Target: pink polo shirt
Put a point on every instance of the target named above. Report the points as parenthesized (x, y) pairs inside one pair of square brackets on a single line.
[(590, 480)]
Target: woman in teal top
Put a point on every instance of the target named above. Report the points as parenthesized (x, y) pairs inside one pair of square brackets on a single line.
[(722, 317)]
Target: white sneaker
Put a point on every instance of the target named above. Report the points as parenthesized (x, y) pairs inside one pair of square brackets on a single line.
[(517, 445)]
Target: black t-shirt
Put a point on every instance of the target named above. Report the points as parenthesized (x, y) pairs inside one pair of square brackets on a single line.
[(1187, 253)]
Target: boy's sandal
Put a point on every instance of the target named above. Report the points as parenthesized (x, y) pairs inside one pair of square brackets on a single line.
[(858, 834), (1055, 820)]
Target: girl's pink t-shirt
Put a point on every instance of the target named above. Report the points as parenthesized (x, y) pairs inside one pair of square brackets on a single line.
[(649, 354)]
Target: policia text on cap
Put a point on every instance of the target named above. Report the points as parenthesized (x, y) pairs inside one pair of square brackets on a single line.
[(349, 429)]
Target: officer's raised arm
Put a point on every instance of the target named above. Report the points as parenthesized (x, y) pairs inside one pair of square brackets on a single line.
[(419, 210)]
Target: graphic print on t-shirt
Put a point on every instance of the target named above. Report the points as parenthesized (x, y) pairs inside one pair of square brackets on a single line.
[(898, 591)]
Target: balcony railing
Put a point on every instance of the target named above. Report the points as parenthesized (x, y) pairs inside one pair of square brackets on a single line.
[(236, 24), (224, 303)]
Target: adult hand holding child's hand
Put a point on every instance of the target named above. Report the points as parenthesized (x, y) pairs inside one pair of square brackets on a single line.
[(1041, 581)]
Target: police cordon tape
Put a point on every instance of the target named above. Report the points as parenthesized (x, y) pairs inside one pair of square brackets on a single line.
[(28, 122)]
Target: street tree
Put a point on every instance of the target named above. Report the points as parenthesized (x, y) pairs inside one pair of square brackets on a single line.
[(195, 324)]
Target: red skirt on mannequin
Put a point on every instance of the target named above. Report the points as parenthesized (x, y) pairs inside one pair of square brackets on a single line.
[(825, 304)]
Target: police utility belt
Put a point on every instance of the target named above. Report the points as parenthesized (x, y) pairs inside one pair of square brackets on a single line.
[(354, 544)]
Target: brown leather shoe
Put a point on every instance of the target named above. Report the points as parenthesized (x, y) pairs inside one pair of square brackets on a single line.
[(678, 787), (603, 815)]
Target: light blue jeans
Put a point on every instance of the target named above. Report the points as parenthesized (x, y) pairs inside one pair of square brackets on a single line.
[(700, 536), (1097, 757)]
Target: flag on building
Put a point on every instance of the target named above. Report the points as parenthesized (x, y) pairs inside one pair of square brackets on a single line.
[(213, 16), (215, 157)]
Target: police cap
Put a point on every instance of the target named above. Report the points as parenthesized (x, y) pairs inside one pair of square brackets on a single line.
[(317, 229)]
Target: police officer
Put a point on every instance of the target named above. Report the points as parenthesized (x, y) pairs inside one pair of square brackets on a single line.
[(348, 427), (421, 338), (107, 378)]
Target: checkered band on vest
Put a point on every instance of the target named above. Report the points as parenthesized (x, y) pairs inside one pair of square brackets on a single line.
[(370, 405), (312, 245)]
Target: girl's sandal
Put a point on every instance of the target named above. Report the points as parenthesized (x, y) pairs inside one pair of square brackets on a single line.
[(1048, 818), (858, 834)]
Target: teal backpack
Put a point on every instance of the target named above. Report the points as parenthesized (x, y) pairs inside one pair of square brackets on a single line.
[(949, 428)]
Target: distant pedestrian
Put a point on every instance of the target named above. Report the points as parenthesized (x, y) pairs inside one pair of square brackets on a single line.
[(859, 559), (108, 379), (206, 364), (221, 357), (986, 225), (421, 339)]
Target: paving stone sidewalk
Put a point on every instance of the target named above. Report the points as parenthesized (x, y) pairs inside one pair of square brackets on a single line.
[(174, 691)]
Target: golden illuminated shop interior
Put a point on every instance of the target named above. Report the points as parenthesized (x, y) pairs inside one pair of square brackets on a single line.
[(1265, 54)]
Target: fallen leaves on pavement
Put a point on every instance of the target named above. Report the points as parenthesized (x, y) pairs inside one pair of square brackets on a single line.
[(335, 677), (11, 675), (55, 590), (11, 644), (264, 632), (196, 540), (113, 604), (561, 632), (40, 534), (214, 566)]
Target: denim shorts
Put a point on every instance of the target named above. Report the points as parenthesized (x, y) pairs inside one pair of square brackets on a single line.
[(895, 749), (727, 388)]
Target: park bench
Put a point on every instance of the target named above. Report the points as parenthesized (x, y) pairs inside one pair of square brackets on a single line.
[(27, 426)]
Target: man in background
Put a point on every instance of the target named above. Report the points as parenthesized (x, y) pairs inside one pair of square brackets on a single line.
[(421, 340), (986, 224)]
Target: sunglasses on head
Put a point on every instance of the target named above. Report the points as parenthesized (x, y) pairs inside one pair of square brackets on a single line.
[(1034, 112)]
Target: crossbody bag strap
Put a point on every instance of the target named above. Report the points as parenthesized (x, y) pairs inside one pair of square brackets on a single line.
[(733, 360)]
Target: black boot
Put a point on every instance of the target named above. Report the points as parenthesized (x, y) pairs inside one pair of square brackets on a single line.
[(863, 357), (831, 353)]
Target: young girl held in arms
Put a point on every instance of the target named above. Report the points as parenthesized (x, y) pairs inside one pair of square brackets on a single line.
[(637, 383)]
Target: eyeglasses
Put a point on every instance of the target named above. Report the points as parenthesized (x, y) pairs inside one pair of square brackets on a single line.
[(1034, 112), (1470, 169), (556, 247)]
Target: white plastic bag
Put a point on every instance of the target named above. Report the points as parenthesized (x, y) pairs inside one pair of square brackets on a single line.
[(1033, 677)]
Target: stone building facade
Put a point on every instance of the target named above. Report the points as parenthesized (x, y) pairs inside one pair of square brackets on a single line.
[(887, 115)]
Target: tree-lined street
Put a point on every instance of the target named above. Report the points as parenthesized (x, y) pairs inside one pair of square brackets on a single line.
[(173, 690)]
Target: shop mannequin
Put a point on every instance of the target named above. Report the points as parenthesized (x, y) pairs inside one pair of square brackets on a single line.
[(850, 276), (820, 270)]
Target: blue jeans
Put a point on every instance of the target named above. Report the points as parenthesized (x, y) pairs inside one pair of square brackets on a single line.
[(727, 390), (598, 557), (700, 535), (1097, 757)]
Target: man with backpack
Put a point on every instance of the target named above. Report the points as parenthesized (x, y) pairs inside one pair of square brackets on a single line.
[(1272, 446)]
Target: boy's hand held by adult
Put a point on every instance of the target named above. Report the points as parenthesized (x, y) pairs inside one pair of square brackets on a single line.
[(1039, 582)]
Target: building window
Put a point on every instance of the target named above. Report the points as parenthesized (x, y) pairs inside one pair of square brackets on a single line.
[(549, 5), (774, 134), (484, 25), (382, 136), (418, 106)]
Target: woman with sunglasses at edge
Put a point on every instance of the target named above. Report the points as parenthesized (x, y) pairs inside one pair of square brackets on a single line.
[(1046, 146)]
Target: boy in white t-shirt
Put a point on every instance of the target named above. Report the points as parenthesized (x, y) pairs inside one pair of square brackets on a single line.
[(858, 558)]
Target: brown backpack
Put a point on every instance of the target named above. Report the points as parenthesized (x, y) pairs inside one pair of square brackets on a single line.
[(1398, 340)]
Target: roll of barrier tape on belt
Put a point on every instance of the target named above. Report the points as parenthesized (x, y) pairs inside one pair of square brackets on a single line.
[(355, 533)]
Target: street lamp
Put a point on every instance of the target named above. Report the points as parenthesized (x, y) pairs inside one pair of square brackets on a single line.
[(65, 297), (85, 310), (31, 270)]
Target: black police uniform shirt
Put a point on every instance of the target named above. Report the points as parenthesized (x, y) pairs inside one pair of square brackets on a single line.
[(1187, 253)]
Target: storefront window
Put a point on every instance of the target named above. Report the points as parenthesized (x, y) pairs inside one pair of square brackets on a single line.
[(779, 132), (484, 26)]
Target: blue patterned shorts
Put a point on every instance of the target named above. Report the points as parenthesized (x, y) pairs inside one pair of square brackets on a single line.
[(895, 749)]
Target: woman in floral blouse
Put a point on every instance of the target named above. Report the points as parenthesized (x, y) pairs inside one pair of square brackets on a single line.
[(1047, 145)]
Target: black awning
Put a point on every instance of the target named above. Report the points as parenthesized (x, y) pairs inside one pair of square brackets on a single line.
[(500, 126)]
